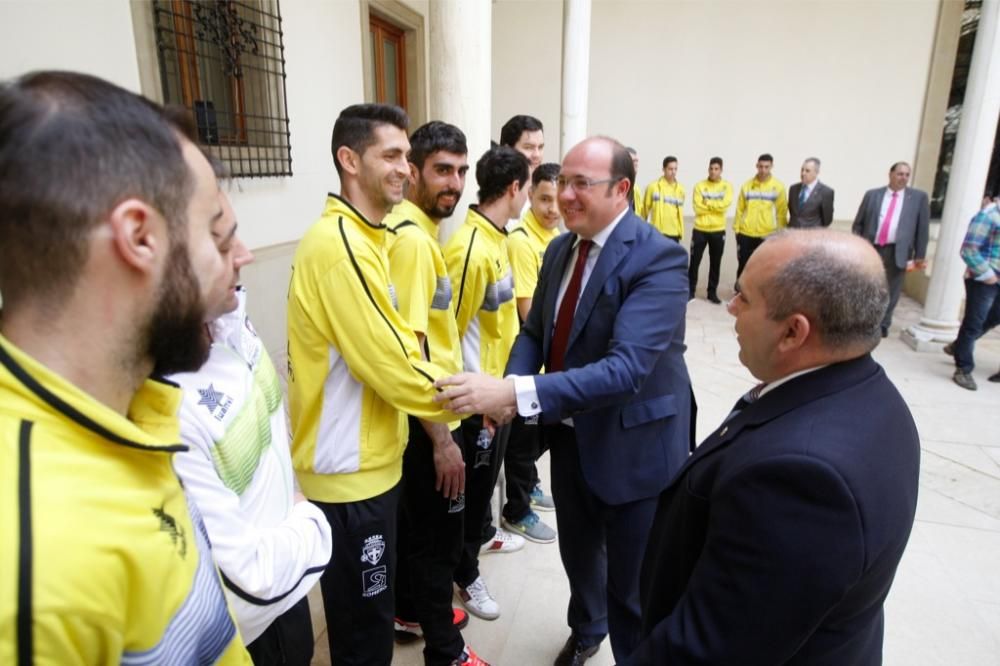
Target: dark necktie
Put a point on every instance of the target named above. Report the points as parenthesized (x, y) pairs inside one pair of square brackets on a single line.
[(748, 399), (803, 195), (564, 320)]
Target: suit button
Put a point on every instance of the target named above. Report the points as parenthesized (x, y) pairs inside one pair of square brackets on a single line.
[(534, 405)]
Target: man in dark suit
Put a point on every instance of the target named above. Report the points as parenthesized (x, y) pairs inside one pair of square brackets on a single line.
[(780, 537), (810, 202), (615, 402), (895, 219)]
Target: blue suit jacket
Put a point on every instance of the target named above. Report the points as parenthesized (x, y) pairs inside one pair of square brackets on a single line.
[(624, 383), (778, 541)]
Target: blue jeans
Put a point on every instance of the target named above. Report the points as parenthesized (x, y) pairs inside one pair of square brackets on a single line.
[(982, 312)]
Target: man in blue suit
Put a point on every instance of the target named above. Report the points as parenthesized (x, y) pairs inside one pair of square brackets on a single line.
[(615, 402), (778, 541)]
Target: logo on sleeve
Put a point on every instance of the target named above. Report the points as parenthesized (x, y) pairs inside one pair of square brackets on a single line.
[(215, 401)]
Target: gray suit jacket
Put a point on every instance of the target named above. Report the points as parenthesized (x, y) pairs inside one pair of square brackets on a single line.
[(816, 211), (914, 222)]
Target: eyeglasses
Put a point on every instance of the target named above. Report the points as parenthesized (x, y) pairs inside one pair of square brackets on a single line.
[(581, 184)]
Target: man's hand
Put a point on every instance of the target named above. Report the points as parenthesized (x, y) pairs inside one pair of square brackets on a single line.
[(450, 468), (471, 393)]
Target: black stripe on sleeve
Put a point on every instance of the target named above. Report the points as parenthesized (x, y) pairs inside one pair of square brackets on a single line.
[(371, 297), (465, 270), (25, 639), (257, 601)]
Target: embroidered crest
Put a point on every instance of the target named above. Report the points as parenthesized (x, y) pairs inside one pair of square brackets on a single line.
[(215, 400), (373, 549)]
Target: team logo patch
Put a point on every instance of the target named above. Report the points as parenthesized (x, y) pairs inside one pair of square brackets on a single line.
[(457, 505), (374, 581), (372, 550), (215, 400), (169, 525), (482, 459)]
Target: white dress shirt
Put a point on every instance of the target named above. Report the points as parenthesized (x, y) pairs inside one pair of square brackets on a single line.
[(524, 387)]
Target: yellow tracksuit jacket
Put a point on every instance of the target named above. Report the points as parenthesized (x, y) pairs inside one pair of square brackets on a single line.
[(710, 202), (354, 367), (482, 293), (118, 569), (526, 243), (761, 208), (664, 207)]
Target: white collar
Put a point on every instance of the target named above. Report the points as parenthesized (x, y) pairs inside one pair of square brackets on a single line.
[(601, 237)]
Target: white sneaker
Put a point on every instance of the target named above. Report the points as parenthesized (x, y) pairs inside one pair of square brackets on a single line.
[(478, 601), (503, 542)]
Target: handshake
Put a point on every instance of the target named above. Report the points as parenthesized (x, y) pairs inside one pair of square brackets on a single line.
[(475, 393)]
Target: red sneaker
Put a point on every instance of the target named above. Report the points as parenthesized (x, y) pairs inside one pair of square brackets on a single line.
[(469, 658)]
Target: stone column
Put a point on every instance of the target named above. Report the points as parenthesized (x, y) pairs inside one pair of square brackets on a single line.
[(460, 37), (575, 73), (970, 165)]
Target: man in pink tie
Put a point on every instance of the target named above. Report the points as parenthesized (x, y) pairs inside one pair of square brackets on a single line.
[(895, 219)]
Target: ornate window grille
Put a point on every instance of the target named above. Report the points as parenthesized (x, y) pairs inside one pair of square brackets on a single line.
[(224, 60)]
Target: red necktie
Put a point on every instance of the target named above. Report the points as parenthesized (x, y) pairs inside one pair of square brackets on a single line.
[(883, 233), (564, 320)]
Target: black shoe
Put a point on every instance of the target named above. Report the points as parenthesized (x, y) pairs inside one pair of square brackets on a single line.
[(949, 349), (995, 378), (885, 331), (574, 653), (713, 298), (964, 379)]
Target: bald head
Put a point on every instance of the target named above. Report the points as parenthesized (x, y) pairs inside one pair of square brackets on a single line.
[(833, 278)]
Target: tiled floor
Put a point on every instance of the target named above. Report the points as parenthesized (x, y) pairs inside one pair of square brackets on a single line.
[(944, 608)]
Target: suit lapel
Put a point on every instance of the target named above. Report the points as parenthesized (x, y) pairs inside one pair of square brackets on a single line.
[(614, 250), (795, 393), (560, 260)]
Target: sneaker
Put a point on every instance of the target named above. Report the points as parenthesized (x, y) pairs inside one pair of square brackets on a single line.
[(478, 601), (540, 501), (532, 528), (409, 632), (949, 349), (503, 542), (469, 658), (964, 380), (995, 377)]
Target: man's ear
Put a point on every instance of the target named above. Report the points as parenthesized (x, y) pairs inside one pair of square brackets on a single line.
[(414, 174), (797, 332), (138, 233), (349, 160)]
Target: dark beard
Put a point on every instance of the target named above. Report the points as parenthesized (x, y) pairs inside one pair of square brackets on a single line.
[(429, 204), (176, 334)]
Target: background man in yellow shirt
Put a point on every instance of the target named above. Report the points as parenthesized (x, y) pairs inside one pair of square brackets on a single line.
[(663, 202), (711, 199)]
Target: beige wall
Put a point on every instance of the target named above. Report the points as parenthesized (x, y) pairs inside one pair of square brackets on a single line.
[(695, 79), (527, 66)]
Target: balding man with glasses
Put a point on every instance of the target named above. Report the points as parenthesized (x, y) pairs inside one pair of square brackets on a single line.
[(614, 404)]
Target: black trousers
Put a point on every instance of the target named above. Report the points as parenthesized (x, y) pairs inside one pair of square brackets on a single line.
[(521, 473), (745, 246), (482, 468), (358, 583), (288, 641), (430, 544), (601, 546), (895, 276), (716, 242)]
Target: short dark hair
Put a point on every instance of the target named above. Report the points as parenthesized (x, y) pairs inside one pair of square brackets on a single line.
[(631, 150), (497, 169), (355, 127), (668, 160), (896, 165), (621, 165), (844, 302), (431, 137), (715, 160), (72, 147), (512, 130), (548, 171), (765, 157)]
